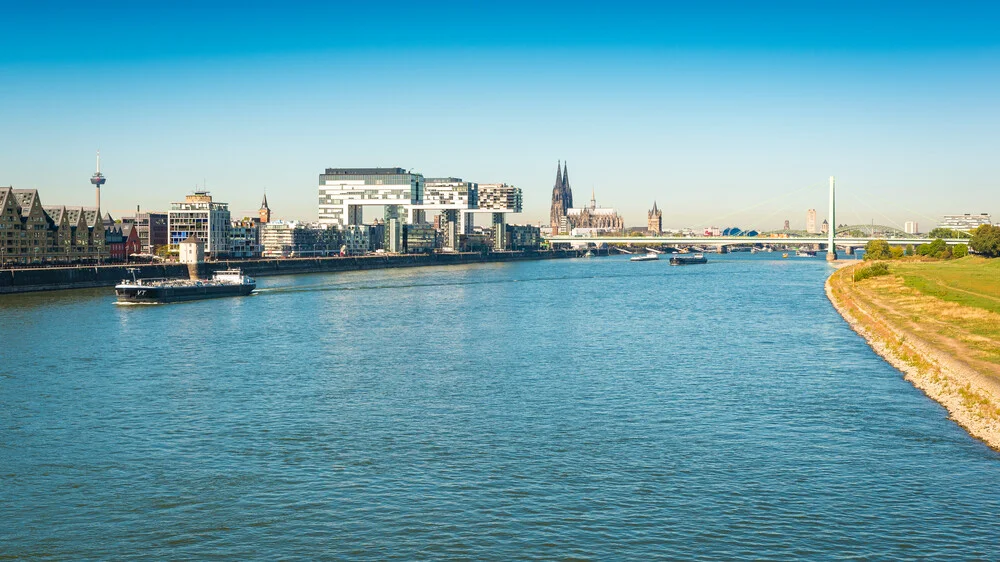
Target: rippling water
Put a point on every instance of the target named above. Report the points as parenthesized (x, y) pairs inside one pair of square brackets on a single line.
[(560, 409)]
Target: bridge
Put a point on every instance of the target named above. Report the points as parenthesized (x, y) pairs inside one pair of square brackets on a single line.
[(740, 240), (831, 241), (725, 241)]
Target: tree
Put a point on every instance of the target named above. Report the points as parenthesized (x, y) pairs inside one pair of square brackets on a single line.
[(941, 232), (986, 241), (877, 250), (960, 251), (896, 252), (909, 250), (933, 249)]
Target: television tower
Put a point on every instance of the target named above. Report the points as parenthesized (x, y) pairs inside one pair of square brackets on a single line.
[(98, 180)]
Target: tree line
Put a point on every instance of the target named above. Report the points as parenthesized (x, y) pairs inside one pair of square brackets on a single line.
[(983, 241)]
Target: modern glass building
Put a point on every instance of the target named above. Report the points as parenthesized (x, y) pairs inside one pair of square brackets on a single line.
[(344, 192), (203, 218)]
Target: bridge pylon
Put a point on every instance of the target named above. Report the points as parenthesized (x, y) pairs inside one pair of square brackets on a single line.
[(831, 248)]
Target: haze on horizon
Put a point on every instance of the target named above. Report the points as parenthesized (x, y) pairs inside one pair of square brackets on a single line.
[(724, 113)]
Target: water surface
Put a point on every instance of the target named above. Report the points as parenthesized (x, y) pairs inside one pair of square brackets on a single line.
[(559, 409)]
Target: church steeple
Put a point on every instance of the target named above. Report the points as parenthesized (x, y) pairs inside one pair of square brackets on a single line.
[(559, 180), (566, 188), (265, 211)]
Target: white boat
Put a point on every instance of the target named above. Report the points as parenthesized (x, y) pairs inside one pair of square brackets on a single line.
[(805, 254), (650, 256)]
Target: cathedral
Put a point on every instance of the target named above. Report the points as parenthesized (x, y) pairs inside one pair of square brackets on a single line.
[(564, 218), (562, 199)]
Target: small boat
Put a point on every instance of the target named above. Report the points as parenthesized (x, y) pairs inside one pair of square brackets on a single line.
[(227, 283), (650, 256), (805, 254), (589, 254), (784, 255), (688, 260)]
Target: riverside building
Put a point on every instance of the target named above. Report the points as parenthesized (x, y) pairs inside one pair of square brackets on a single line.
[(345, 192), (33, 233), (294, 239), (245, 238), (198, 215), (498, 199), (151, 228), (454, 198), (967, 221)]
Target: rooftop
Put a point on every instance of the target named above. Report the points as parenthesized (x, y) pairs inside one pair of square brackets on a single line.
[(364, 171)]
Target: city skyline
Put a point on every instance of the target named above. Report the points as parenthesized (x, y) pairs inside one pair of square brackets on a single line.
[(719, 123)]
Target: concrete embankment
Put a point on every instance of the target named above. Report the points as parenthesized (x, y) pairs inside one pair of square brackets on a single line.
[(56, 278), (937, 345)]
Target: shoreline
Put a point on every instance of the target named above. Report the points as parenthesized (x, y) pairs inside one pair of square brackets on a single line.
[(970, 398), (30, 280)]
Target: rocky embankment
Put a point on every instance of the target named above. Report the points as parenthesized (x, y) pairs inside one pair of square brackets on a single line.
[(934, 358)]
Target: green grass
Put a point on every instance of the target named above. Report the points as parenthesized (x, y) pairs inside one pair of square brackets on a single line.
[(970, 281)]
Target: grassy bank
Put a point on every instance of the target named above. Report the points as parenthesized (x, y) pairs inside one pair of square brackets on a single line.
[(939, 323)]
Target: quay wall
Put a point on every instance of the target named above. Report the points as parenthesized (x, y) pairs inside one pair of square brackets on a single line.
[(81, 277)]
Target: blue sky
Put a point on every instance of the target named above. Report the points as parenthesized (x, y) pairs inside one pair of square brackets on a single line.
[(724, 112)]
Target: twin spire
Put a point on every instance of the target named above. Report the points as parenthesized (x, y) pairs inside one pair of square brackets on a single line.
[(562, 188)]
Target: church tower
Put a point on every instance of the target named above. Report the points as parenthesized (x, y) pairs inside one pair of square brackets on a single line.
[(562, 197), (654, 223), (265, 211)]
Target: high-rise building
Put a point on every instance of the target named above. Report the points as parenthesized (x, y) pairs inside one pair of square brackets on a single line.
[(562, 199), (654, 220), (787, 225), (911, 227), (811, 221), (203, 218)]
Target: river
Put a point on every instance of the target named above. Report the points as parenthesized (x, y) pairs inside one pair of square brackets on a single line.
[(587, 408)]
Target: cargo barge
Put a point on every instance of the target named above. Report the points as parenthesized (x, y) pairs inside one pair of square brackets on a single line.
[(228, 283)]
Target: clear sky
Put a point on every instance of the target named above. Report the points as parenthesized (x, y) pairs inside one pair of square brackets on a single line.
[(725, 113)]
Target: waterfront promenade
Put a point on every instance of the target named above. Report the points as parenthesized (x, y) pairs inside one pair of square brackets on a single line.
[(80, 277), (938, 323)]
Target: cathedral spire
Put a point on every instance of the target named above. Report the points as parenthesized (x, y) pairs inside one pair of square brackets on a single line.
[(559, 181)]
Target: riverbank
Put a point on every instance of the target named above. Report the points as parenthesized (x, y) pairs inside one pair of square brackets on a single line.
[(939, 323), (60, 278)]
